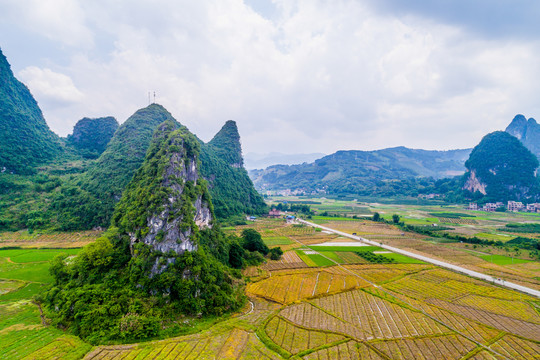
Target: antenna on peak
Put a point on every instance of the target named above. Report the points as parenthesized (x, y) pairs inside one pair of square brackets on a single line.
[(149, 98), (154, 97)]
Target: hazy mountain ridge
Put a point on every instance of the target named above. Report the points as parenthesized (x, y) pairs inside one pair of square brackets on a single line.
[(365, 167), (262, 161)]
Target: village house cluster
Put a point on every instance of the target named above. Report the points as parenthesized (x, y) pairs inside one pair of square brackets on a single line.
[(513, 206)]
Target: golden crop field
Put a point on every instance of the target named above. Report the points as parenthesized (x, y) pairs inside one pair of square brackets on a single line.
[(354, 311), (53, 240)]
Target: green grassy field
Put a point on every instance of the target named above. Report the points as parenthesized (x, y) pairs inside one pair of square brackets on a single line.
[(503, 260), (345, 248), (277, 240)]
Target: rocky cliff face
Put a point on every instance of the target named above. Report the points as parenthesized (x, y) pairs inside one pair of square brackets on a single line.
[(167, 202), (473, 184)]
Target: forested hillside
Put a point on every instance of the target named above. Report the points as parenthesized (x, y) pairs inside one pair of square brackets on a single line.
[(91, 136), (164, 258), (527, 131), (25, 139), (502, 168)]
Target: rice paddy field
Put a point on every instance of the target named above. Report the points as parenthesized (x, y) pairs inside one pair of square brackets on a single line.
[(324, 299)]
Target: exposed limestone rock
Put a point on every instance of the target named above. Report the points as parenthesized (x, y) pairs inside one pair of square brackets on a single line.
[(473, 184), (167, 202)]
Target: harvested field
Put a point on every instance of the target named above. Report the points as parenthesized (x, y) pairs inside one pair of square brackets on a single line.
[(441, 347), (464, 221), (289, 260), (522, 328), (380, 273), (234, 344), (380, 318), (348, 350), (295, 339), (288, 288), (54, 240)]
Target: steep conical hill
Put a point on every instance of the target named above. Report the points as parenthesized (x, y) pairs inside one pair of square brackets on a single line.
[(528, 131), (226, 144), (124, 154), (502, 168), (25, 139), (163, 259), (166, 202), (232, 190)]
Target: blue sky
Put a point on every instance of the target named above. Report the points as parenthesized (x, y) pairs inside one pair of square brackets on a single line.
[(298, 76)]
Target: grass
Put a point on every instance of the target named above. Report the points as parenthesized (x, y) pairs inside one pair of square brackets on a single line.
[(26, 292), (320, 260), (345, 248), (494, 237), (314, 260), (277, 240), (503, 260), (333, 255), (34, 272), (402, 259), (37, 255), (325, 219)]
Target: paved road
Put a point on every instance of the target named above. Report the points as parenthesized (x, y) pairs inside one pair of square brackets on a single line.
[(432, 261)]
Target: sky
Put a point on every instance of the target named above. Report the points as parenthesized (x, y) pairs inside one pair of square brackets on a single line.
[(298, 76)]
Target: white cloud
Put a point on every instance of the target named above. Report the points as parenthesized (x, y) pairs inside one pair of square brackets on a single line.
[(316, 76), (59, 20), (51, 86)]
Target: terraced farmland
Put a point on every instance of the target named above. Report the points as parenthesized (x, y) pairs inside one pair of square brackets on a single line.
[(348, 311)]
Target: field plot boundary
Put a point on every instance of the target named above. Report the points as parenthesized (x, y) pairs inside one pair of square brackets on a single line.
[(446, 265)]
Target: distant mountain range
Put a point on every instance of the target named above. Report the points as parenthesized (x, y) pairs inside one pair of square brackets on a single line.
[(262, 161), (360, 171)]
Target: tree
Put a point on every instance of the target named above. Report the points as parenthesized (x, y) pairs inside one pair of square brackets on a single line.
[(395, 218), (275, 253), (253, 241), (236, 254), (376, 217)]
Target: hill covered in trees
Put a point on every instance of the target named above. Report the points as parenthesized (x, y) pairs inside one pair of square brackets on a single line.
[(89, 200), (502, 168), (527, 131), (163, 259), (91, 136), (25, 138)]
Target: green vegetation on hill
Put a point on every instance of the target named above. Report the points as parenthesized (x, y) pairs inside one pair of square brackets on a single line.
[(136, 283), (527, 131), (231, 188), (505, 167), (89, 199), (25, 139), (226, 144), (91, 136)]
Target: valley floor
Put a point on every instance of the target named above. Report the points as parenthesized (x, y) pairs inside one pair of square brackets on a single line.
[(325, 301)]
